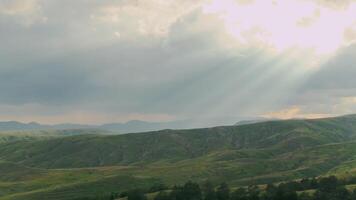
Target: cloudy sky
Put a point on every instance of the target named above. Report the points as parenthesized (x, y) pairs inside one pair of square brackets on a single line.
[(98, 61)]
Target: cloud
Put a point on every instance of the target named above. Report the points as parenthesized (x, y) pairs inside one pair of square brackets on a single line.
[(149, 18), (15, 7), (25, 12), (335, 4), (285, 24), (162, 60), (330, 90), (295, 112), (350, 34)]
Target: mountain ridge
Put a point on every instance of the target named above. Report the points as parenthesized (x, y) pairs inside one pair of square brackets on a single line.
[(132, 126), (127, 127)]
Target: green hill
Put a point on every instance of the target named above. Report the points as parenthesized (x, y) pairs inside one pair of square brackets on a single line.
[(175, 145), (35, 135), (79, 165)]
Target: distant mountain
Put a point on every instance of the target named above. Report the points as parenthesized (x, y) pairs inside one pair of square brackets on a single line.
[(128, 127), (13, 125), (18, 126), (135, 126)]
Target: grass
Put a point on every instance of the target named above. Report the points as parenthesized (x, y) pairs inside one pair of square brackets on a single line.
[(66, 166)]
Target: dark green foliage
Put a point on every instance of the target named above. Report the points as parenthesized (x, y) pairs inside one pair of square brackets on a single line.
[(240, 194), (305, 196), (114, 195), (136, 195), (270, 193), (209, 191), (328, 184), (327, 188), (177, 193), (285, 193), (330, 189), (223, 192), (157, 187), (162, 196), (353, 195), (189, 191), (308, 183), (253, 193), (99, 197)]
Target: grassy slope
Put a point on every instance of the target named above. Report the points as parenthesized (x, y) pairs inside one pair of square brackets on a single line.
[(175, 145), (35, 135), (63, 184), (258, 153)]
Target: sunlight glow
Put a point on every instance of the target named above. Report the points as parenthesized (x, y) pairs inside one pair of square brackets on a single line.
[(285, 24)]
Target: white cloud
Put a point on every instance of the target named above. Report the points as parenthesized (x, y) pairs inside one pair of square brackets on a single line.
[(26, 12), (335, 4), (144, 17), (285, 24), (350, 34)]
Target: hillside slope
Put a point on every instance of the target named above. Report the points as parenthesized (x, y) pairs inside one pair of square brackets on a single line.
[(85, 165), (175, 145)]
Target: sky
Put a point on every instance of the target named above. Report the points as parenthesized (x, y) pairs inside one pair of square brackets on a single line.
[(217, 61)]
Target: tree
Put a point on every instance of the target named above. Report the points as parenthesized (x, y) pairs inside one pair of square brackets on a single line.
[(162, 196), (319, 195), (192, 191), (254, 193), (209, 191), (189, 191), (290, 195), (331, 189), (286, 191), (136, 195), (341, 193), (305, 184), (328, 184), (177, 193), (239, 194), (270, 193), (304, 196), (313, 183), (223, 192), (157, 187), (353, 195), (114, 195)]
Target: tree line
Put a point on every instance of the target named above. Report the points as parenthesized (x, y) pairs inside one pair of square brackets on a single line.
[(326, 188), (329, 188)]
